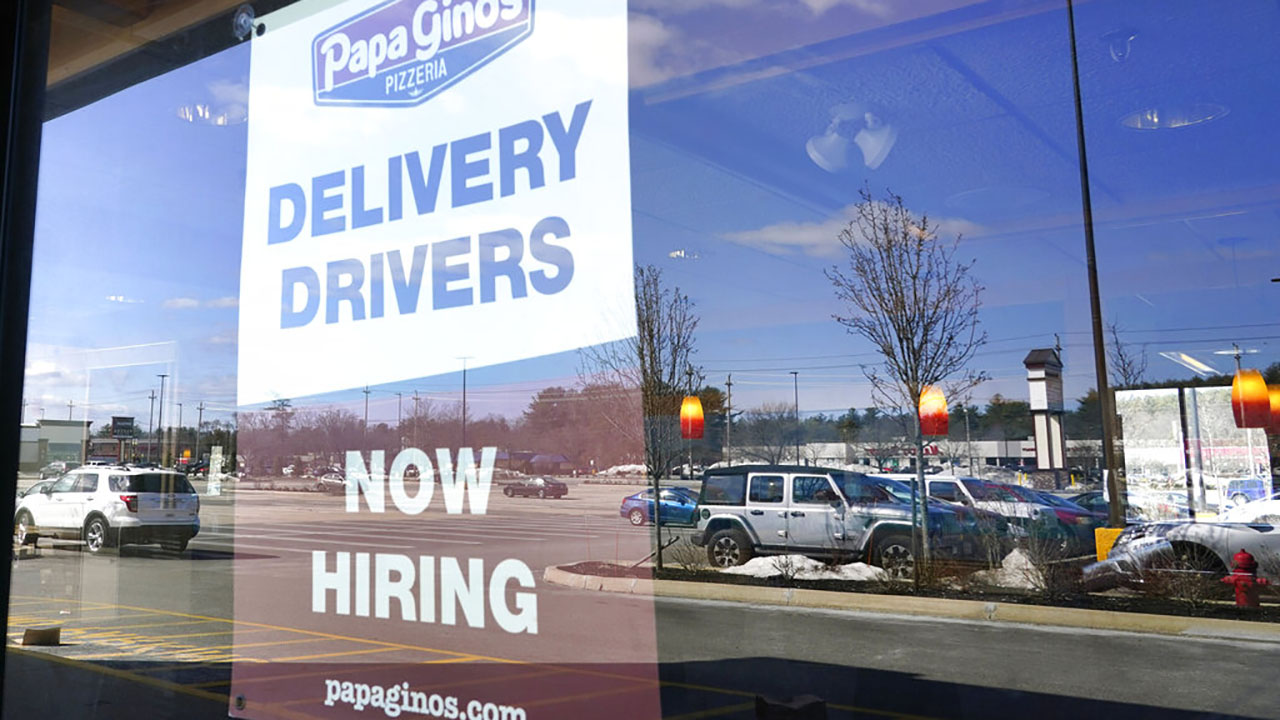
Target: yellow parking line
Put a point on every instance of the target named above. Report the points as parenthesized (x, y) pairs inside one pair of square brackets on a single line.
[(261, 644), (190, 635), (344, 653), (131, 627)]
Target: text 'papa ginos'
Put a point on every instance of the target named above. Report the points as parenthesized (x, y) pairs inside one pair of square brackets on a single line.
[(336, 202)]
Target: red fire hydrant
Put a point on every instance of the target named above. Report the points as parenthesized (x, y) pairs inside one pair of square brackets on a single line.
[(1244, 576)]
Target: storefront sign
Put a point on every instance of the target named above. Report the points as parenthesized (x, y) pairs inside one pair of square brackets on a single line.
[(428, 180)]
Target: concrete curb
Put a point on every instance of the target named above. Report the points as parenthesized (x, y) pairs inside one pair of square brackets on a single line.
[(922, 606)]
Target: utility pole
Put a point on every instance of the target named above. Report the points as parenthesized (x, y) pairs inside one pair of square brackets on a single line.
[(968, 443), (415, 418), (199, 424), (464, 360), (1250, 469), (160, 419), (366, 411), (151, 414), (688, 373), (728, 421), (795, 383), (71, 406), (24, 410), (399, 434)]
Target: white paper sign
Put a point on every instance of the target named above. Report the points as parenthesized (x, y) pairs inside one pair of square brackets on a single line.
[(428, 182)]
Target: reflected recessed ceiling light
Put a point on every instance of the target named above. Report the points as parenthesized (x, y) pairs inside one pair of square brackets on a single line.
[(1173, 116), (852, 125), (205, 114)]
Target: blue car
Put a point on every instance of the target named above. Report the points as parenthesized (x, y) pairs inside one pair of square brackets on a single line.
[(679, 507)]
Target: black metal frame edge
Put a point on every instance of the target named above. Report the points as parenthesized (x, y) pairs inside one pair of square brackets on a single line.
[(26, 26)]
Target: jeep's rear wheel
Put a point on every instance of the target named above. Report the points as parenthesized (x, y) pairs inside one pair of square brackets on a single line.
[(508, 492), (729, 548), (893, 554), (95, 535)]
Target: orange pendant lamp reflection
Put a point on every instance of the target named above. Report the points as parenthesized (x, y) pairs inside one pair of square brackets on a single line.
[(691, 418), (933, 412), (1250, 400)]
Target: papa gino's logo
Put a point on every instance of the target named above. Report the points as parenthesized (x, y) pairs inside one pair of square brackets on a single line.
[(403, 52)]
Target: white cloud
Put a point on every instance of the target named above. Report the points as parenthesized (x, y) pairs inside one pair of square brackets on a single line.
[(658, 51), (225, 338), (821, 239), (878, 8), (123, 299), (184, 303)]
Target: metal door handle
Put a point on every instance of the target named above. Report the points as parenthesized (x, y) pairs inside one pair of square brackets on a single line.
[(757, 512), (782, 513), (797, 513)]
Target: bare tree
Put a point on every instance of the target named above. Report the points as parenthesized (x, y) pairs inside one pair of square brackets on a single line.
[(657, 364), (911, 298), (654, 371), (1127, 366), (767, 433)]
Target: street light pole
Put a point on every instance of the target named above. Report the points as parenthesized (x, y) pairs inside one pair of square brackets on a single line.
[(1115, 504), (151, 414), (795, 383), (160, 418), (199, 425), (70, 406), (177, 446)]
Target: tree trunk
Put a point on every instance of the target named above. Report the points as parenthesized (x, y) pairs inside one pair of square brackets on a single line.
[(924, 500), (657, 517)]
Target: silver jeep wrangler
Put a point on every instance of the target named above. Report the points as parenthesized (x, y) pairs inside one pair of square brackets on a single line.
[(832, 514)]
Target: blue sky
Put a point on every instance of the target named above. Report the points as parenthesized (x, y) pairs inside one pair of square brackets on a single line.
[(139, 216)]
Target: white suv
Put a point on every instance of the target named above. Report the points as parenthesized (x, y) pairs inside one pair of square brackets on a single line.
[(112, 505)]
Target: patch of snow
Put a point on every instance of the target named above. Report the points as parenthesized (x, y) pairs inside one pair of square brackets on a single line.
[(625, 470), (1015, 571), (805, 568)]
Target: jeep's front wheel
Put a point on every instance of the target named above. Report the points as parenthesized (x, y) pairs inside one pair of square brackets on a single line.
[(729, 548), (892, 553)]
